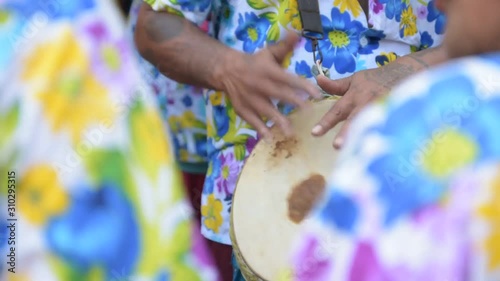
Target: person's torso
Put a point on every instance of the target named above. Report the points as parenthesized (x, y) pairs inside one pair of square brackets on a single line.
[(353, 40)]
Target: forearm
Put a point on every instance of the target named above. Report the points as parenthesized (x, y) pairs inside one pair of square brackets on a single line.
[(426, 58), (392, 73), (179, 49)]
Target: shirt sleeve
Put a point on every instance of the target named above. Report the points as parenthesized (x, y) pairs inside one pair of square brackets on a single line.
[(405, 186), (196, 11)]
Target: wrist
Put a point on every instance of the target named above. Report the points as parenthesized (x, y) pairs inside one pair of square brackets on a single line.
[(224, 67)]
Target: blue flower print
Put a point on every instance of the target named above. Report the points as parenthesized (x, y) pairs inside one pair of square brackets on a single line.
[(50, 9), (201, 144), (163, 276), (226, 13), (252, 31), (435, 15), (426, 40), (369, 41), (394, 8), (11, 35), (385, 58), (229, 40), (187, 101), (360, 64), (302, 69), (211, 149), (3, 233), (214, 173), (405, 182), (341, 43), (194, 5), (103, 213), (340, 211), (491, 58), (221, 120)]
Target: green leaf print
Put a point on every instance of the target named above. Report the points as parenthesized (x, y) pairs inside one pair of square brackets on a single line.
[(258, 4), (173, 11), (274, 33), (111, 166), (271, 16), (239, 152), (199, 124), (8, 124)]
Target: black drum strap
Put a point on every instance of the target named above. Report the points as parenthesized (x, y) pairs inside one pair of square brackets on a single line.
[(310, 18), (312, 28)]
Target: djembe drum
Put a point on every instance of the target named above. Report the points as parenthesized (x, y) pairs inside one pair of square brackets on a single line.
[(277, 188)]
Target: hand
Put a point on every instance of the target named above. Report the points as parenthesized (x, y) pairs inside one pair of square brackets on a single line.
[(251, 81), (365, 86), (356, 91)]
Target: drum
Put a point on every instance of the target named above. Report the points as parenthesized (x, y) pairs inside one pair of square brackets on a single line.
[(278, 185)]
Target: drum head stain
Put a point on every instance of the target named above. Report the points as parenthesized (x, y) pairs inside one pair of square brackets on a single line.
[(285, 146), (303, 197)]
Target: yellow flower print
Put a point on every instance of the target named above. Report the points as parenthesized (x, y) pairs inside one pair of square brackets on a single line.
[(450, 152), (339, 39), (289, 13), (408, 24), (4, 17), (188, 119), (491, 212), (285, 275), (150, 143), (18, 277), (41, 195), (287, 60), (111, 57), (71, 97), (216, 98), (184, 155), (174, 122), (385, 58), (211, 132), (348, 5), (211, 212)]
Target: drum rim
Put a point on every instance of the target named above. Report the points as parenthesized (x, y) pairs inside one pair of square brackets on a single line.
[(232, 234)]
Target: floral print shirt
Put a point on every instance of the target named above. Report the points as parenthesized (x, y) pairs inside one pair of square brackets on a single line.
[(415, 198), (352, 41), (89, 186), (182, 106)]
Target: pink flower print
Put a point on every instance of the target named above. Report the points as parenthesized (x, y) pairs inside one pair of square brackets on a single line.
[(205, 26), (199, 248), (230, 169), (365, 265), (308, 265), (422, 12), (376, 6), (251, 142)]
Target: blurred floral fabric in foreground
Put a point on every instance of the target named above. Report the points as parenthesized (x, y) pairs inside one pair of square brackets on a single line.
[(97, 193), (415, 194)]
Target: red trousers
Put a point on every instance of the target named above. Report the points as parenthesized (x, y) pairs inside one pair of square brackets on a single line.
[(220, 252)]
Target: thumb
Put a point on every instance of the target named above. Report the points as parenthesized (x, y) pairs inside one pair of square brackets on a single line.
[(284, 47), (334, 87)]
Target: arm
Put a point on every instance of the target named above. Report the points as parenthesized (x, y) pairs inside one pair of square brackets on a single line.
[(166, 39), (363, 87), (184, 53), (389, 75)]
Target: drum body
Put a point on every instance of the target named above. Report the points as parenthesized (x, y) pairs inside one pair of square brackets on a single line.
[(264, 219)]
